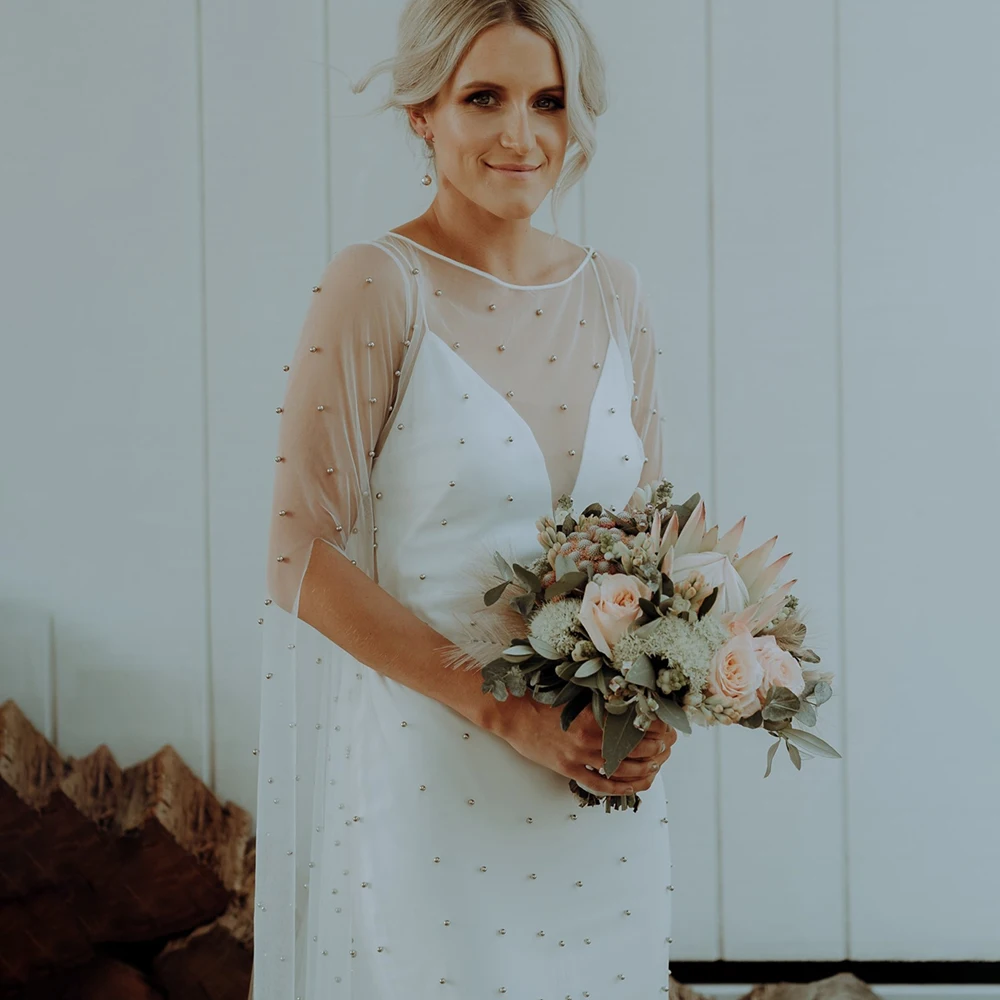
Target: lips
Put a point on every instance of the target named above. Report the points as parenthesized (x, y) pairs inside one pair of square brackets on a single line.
[(514, 168)]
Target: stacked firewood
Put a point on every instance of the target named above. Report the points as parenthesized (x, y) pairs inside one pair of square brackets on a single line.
[(118, 883)]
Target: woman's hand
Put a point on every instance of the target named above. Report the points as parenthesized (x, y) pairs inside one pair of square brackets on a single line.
[(535, 732)]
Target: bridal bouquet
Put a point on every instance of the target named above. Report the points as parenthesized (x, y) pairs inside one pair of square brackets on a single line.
[(644, 614)]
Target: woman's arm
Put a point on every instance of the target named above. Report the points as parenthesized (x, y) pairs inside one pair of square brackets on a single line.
[(341, 385), (347, 606)]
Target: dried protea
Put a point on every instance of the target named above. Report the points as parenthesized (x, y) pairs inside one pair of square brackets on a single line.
[(745, 580)]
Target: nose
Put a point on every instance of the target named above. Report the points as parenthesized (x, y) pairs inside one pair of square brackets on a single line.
[(517, 132)]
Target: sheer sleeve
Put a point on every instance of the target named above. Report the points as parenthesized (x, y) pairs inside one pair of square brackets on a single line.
[(644, 350), (339, 393)]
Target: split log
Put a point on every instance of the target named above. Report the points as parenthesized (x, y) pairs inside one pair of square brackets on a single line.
[(92, 853)]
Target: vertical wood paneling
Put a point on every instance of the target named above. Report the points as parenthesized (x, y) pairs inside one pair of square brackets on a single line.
[(921, 316), (27, 662), (809, 192), (776, 446), (266, 244), (375, 162), (647, 201), (102, 403)]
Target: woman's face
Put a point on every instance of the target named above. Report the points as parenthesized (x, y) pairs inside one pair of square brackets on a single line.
[(503, 105)]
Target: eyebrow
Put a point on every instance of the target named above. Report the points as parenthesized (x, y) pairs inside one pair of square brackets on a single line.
[(499, 86)]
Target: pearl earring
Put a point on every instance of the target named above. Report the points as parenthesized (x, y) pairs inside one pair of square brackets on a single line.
[(426, 179)]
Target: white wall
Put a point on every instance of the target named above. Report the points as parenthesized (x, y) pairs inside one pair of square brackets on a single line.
[(810, 190)]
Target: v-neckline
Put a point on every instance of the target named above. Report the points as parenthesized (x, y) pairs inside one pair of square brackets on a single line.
[(524, 423)]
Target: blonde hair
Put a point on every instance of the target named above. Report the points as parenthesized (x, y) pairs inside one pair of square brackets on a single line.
[(434, 35)]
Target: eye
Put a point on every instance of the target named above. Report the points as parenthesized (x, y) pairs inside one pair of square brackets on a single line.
[(473, 99)]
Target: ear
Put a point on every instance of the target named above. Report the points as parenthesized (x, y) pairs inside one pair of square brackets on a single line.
[(418, 121)]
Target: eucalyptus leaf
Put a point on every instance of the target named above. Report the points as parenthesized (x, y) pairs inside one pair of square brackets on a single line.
[(770, 756), (516, 683), (520, 658), (494, 594), (808, 655), (641, 672), (573, 708), (794, 754), (592, 682), (519, 649), (666, 586), (602, 676), (625, 523), (645, 627), (594, 508), (505, 571), (495, 669), (778, 726), (672, 714), (568, 525), (568, 692), (753, 721), (806, 715), (564, 565), (524, 603), (651, 611), (597, 708), (498, 689), (568, 583), (567, 669), (589, 667), (781, 704), (810, 742), (619, 707), (541, 647), (620, 738), (822, 692), (527, 579)]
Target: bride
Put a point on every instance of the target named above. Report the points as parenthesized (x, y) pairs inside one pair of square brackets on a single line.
[(453, 379)]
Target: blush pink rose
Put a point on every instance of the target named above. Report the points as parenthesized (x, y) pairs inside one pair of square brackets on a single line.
[(610, 606), (736, 673), (778, 665)]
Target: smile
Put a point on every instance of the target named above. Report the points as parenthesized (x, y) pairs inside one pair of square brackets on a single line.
[(511, 172)]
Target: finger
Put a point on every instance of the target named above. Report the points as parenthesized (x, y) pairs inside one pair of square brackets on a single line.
[(663, 730), (630, 766), (636, 770), (598, 783), (650, 746)]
